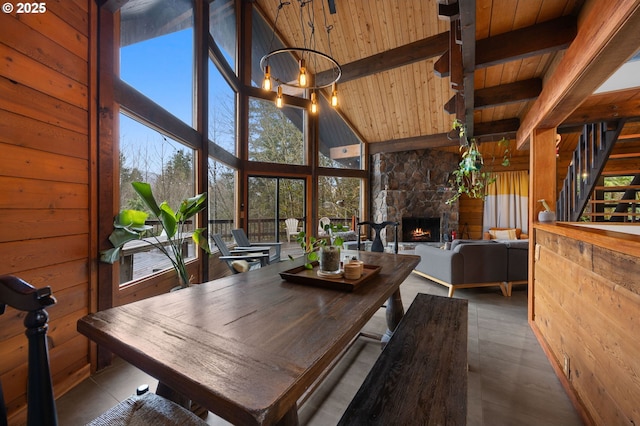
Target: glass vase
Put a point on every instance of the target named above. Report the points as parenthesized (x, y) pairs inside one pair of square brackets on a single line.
[(330, 259)]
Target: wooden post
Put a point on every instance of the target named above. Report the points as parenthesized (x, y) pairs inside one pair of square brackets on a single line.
[(542, 185)]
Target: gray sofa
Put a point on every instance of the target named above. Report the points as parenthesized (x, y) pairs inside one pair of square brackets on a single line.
[(475, 263)]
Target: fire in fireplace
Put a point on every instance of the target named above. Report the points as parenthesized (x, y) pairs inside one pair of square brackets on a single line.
[(420, 229)]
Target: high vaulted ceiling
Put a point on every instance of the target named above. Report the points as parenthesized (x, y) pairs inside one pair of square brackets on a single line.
[(397, 78)]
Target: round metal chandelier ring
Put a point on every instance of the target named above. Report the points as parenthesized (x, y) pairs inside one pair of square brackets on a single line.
[(302, 50)]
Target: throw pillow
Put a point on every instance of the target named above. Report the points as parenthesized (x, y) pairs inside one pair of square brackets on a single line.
[(506, 234), (517, 230), (240, 265)]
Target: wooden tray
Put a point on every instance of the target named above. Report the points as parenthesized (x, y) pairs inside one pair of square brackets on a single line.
[(301, 275)]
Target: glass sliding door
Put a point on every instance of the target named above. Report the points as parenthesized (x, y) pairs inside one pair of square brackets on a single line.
[(272, 200)]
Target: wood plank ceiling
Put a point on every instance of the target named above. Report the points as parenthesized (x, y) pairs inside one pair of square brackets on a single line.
[(396, 80)]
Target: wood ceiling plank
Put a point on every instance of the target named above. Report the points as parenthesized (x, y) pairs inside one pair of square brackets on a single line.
[(599, 48), (527, 13), (604, 112), (502, 17), (483, 18)]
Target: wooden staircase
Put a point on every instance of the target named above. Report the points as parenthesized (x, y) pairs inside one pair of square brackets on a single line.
[(584, 171), (608, 206)]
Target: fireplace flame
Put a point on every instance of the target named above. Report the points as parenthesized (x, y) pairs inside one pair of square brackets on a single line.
[(420, 233)]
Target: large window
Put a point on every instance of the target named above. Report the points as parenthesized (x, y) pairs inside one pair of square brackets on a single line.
[(167, 165), (339, 198), (222, 198), (222, 111), (275, 134), (156, 53), (272, 201)]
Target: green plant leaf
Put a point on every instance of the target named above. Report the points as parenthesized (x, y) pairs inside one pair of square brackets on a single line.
[(110, 256), (168, 219), (144, 191), (191, 206), (132, 219), (201, 240), (121, 236)]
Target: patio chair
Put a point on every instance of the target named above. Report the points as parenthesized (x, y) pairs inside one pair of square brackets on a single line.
[(244, 244), (240, 260), (324, 221), (143, 408), (292, 228)]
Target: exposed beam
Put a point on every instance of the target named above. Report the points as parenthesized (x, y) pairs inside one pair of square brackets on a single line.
[(489, 97), (484, 131), (419, 50), (601, 46), (408, 144), (537, 39), (507, 128)]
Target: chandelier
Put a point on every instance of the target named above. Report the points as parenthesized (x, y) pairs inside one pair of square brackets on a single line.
[(306, 56)]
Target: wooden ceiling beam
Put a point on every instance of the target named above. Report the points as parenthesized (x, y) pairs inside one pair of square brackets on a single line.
[(419, 50), (599, 48), (490, 97), (484, 131), (538, 39), (497, 129), (418, 142), (519, 91)]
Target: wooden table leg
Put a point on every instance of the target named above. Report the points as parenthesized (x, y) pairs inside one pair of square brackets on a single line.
[(170, 394), (395, 312), (290, 418)]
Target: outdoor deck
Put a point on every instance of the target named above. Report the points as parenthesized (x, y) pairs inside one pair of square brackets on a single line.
[(149, 262)]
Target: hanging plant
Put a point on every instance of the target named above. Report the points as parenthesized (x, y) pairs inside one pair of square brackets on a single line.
[(471, 177)]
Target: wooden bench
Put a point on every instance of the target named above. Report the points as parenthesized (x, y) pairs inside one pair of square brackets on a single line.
[(421, 375)]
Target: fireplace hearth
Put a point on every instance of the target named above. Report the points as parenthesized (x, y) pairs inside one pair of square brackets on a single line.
[(420, 229)]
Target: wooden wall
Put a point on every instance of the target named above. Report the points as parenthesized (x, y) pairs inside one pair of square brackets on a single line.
[(470, 222), (586, 297), (45, 177)]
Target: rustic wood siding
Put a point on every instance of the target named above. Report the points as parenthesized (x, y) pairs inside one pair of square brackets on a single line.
[(45, 173), (586, 302)]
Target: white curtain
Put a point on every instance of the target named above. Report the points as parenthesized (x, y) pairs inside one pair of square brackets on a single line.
[(507, 201)]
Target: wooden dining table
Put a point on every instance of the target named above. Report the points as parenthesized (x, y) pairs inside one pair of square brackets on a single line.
[(247, 347)]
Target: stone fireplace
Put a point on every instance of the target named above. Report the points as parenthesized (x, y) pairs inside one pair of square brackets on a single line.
[(413, 184)]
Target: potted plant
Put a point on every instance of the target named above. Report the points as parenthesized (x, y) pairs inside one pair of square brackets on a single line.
[(471, 177), (129, 225), (311, 246)]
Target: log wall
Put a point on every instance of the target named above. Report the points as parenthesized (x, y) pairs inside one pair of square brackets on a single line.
[(586, 300), (45, 178)]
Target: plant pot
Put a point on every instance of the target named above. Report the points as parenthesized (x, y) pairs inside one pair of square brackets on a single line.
[(330, 259), (546, 216)]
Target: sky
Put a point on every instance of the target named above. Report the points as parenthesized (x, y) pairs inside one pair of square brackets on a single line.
[(161, 69)]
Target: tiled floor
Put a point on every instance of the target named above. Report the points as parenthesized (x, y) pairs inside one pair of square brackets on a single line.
[(510, 379)]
